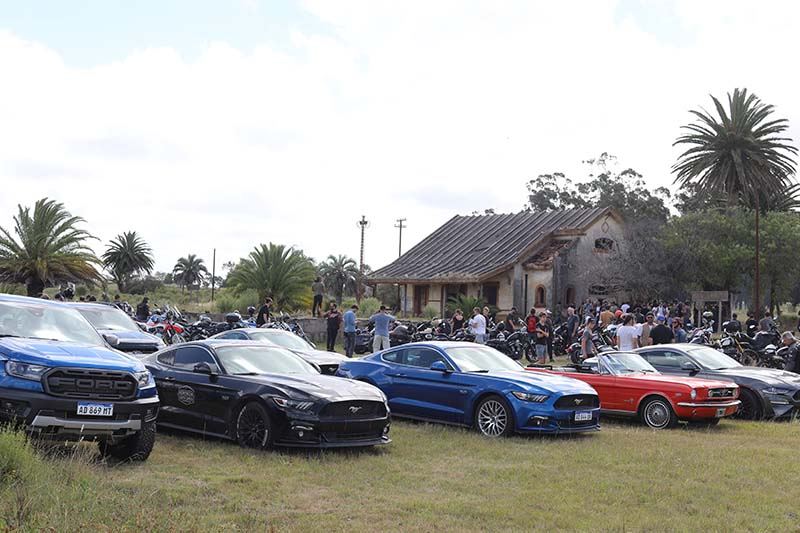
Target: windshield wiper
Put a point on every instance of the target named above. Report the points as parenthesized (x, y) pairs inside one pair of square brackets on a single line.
[(479, 371), (247, 374), (9, 335)]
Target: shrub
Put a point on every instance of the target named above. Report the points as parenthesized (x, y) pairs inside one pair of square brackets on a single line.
[(465, 303), (228, 301), (430, 312), (368, 307)]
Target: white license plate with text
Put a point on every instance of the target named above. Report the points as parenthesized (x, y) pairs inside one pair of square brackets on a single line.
[(96, 409), (584, 416)]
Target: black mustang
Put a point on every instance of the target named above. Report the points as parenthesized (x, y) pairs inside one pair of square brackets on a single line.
[(262, 395), (764, 392)]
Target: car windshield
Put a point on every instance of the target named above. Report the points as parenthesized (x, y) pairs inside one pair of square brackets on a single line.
[(480, 359), (281, 338), (104, 317), (261, 359), (711, 359), (51, 322), (626, 363)]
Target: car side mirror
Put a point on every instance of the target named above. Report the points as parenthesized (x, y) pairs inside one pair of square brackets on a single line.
[(111, 339), (690, 366), (203, 368), (440, 366)]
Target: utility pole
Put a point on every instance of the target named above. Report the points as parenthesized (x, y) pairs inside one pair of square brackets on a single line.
[(213, 272), (363, 224), (400, 226)]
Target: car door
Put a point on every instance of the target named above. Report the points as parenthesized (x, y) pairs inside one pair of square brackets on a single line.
[(430, 393), (171, 410), (204, 399), (605, 383)]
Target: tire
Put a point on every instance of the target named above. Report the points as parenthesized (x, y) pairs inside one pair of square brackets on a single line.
[(657, 413), (751, 408), (254, 427), (493, 417), (134, 448)]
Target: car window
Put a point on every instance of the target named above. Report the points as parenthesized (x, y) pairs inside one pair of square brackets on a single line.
[(665, 359), (167, 358), (237, 335), (423, 357), (393, 357), (186, 357)]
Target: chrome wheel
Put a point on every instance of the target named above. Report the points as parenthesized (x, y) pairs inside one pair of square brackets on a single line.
[(657, 414), (492, 418)]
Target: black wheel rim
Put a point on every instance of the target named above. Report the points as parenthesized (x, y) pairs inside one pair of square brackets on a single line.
[(748, 408), (252, 428)]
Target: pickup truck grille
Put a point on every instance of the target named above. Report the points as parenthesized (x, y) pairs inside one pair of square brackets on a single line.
[(80, 383)]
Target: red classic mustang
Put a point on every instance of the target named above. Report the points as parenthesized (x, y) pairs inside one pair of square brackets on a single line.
[(629, 386)]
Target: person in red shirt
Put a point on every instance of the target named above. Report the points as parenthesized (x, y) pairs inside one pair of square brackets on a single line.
[(530, 326)]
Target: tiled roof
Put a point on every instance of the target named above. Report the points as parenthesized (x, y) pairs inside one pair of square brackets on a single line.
[(472, 248)]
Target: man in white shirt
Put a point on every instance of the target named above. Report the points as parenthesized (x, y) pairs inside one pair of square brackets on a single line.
[(627, 335), (624, 308), (478, 326)]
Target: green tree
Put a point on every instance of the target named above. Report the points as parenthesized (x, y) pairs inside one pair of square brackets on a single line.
[(741, 154), (126, 256), (604, 186), (189, 271), (281, 272), (49, 248), (340, 275)]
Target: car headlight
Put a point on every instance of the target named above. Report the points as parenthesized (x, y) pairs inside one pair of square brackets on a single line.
[(776, 390), (142, 378), (25, 371), (693, 394), (283, 403), (529, 397)]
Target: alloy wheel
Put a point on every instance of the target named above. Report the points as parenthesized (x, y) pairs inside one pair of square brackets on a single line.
[(492, 418), (252, 429)]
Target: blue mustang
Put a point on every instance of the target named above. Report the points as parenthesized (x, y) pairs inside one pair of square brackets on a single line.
[(476, 386)]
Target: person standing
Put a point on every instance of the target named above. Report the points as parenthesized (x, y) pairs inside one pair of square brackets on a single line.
[(478, 326), (457, 322), (792, 357), (318, 288), (350, 330), (334, 321), (487, 315), (548, 320), (644, 331), (587, 344), (627, 335), (542, 334), (678, 331), (264, 312), (381, 319), (530, 327), (661, 334), (143, 310), (606, 317), (572, 325)]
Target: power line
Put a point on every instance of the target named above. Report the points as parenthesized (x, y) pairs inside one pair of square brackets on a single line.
[(400, 226)]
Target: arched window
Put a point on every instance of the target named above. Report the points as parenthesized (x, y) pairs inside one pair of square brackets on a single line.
[(539, 297), (571, 296), (603, 244)]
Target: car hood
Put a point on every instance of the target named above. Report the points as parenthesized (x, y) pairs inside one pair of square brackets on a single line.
[(318, 386), (770, 376), (132, 336), (67, 354), (697, 383), (542, 381), (320, 357)]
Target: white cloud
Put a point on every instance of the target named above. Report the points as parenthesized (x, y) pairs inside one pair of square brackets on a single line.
[(411, 109)]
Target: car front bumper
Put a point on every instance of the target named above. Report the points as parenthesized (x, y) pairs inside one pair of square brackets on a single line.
[(706, 410), (334, 433), (533, 417), (52, 417)]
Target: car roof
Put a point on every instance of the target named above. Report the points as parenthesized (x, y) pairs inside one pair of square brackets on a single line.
[(14, 298), (442, 345), (91, 305), (680, 345)]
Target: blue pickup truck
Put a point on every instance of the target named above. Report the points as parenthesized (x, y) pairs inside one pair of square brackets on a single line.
[(61, 380)]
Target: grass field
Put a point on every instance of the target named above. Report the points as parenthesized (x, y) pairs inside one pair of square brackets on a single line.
[(738, 476)]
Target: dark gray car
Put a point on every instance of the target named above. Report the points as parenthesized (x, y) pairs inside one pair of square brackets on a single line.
[(764, 392)]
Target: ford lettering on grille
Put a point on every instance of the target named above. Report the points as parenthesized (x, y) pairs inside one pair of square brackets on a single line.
[(92, 384)]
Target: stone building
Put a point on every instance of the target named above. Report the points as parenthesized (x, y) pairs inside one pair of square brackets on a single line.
[(542, 260)]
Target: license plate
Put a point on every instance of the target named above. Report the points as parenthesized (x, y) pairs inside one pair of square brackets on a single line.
[(583, 416), (96, 409), (720, 413)]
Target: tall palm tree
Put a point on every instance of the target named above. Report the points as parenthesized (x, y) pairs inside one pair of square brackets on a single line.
[(48, 249), (189, 271), (281, 272), (740, 155), (127, 255), (340, 274)]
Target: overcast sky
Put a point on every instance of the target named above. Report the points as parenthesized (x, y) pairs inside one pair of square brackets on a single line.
[(225, 124)]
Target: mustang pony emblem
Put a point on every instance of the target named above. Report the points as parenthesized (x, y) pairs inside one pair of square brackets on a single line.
[(578, 401), (354, 409)]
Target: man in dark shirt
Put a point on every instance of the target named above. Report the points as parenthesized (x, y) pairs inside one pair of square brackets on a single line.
[(792, 359), (264, 313), (143, 310), (751, 324), (661, 334)]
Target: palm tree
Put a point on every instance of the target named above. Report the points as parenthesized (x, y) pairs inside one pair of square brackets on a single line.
[(49, 248), (127, 255), (281, 272), (740, 155), (189, 271), (340, 274)]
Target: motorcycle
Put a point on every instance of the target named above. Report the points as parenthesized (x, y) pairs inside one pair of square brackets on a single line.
[(765, 345)]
